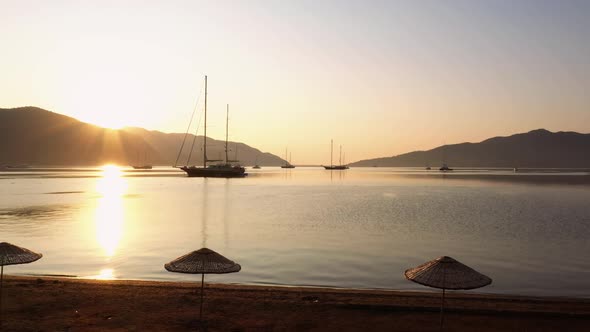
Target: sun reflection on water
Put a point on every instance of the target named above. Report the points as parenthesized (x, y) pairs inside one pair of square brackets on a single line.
[(110, 209), (111, 184), (105, 274)]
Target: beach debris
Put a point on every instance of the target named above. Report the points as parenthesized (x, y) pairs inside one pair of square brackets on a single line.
[(310, 298), (447, 273)]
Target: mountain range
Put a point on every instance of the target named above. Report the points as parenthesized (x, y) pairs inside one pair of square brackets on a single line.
[(34, 136), (538, 148)]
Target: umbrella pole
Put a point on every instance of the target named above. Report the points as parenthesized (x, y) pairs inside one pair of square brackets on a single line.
[(442, 309), (1, 281), (202, 284)]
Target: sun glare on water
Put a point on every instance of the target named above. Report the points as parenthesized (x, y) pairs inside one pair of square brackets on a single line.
[(111, 171), (105, 274), (110, 211)]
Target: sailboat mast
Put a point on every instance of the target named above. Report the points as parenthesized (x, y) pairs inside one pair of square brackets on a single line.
[(226, 130), (340, 160), (205, 137), (444, 152), (331, 152)]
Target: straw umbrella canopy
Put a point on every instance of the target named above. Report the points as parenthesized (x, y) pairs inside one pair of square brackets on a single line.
[(11, 255), (447, 273), (202, 261)]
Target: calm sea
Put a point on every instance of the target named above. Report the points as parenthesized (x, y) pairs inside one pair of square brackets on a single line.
[(359, 228)]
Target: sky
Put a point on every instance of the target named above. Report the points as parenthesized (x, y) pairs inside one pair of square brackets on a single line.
[(380, 78)]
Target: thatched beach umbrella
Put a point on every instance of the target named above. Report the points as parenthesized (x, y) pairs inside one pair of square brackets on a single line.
[(10, 255), (202, 261), (447, 273)]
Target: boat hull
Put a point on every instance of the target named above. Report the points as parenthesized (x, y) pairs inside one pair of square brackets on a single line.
[(287, 166), (332, 168), (142, 167), (445, 168), (215, 172)]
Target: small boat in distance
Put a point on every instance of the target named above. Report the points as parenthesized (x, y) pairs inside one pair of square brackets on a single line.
[(333, 167), (288, 164), (142, 167), (221, 170), (140, 164), (17, 166), (256, 166), (445, 168)]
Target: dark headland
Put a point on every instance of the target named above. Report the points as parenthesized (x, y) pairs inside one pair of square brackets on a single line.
[(536, 149), (34, 136)]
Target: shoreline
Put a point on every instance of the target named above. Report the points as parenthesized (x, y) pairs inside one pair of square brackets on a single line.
[(66, 304), (421, 290)]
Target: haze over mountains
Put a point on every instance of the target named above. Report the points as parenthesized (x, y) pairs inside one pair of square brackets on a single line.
[(537, 148), (33, 136)]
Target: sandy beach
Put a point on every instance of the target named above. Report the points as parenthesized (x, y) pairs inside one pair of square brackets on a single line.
[(61, 304)]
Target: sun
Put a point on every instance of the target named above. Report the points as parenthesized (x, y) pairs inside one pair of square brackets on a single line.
[(102, 99), (110, 124), (107, 116)]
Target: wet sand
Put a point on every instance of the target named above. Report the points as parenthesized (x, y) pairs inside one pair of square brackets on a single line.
[(61, 304)]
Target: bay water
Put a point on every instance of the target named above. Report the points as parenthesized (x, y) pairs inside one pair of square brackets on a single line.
[(359, 228)]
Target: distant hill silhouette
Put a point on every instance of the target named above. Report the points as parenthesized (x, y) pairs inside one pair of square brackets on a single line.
[(168, 146), (537, 148), (34, 136)]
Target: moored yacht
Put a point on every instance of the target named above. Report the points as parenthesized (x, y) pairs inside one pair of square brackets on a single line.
[(221, 170), (333, 167)]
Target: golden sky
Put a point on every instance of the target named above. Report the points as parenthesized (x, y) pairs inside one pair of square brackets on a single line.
[(379, 77)]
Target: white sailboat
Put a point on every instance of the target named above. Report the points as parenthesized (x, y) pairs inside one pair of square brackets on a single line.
[(288, 164), (332, 166), (220, 170)]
